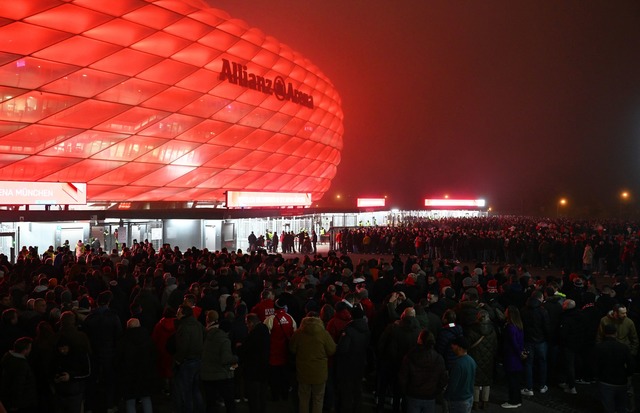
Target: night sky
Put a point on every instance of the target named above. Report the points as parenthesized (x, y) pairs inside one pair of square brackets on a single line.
[(520, 103)]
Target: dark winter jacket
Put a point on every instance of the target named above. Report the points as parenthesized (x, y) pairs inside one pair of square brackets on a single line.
[(77, 365), (571, 333), (483, 344), (351, 352), (397, 339), (217, 357), (254, 354), (535, 321), (18, 388), (614, 363), (443, 342), (422, 374), (136, 363), (189, 339), (103, 327), (553, 306)]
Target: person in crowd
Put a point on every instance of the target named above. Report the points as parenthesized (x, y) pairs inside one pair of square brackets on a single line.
[(265, 307), (187, 359), (40, 359), (396, 340), (312, 346), (422, 376), (535, 320), (626, 334), (218, 365), (162, 332), (514, 355), (254, 360), (281, 326), (136, 366), (10, 329), (350, 362), (483, 344), (462, 373), (614, 368), (590, 321), (449, 332), (103, 327), (341, 318), (570, 339), (70, 371), (18, 392)]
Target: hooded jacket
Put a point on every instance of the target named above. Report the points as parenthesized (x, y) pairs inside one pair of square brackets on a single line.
[(312, 345)]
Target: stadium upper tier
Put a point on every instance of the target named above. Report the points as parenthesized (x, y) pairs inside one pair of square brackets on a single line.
[(160, 101)]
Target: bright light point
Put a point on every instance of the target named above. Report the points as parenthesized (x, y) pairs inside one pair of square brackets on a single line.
[(338, 196), (625, 194), (446, 197)]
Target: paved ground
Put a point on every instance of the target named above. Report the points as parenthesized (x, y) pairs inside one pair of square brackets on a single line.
[(553, 401)]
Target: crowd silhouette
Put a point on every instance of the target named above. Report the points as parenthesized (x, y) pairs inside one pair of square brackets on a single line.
[(459, 301)]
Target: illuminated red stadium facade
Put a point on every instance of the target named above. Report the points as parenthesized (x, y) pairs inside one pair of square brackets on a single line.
[(159, 101)]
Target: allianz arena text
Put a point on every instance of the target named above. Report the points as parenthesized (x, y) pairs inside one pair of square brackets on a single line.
[(160, 101)]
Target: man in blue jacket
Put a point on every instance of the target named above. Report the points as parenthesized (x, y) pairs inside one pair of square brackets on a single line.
[(462, 373)]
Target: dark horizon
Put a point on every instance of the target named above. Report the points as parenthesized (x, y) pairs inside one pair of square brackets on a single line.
[(521, 104)]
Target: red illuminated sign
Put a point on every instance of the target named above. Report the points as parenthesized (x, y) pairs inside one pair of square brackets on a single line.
[(243, 199), (237, 74), (475, 203), (371, 202), (42, 193)]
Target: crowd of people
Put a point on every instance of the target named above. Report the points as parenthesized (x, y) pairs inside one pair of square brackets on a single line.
[(83, 330)]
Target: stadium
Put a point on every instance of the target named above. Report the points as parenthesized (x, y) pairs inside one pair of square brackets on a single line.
[(159, 102)]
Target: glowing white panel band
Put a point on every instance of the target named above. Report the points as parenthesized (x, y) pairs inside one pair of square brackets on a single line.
[(242, 199), (478, 203), (42, 193), (371, 202)]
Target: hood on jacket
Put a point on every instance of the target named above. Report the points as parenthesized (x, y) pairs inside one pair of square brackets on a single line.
[(311, 325)]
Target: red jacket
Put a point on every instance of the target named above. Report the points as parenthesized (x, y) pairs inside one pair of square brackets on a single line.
[(264, 309), (282, 327), (164, 329), (338, 323)]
